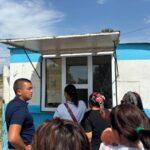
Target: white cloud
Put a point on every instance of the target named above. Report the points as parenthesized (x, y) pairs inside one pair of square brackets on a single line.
[(27, 18), (101, 2), (141, 36), (147, 20)]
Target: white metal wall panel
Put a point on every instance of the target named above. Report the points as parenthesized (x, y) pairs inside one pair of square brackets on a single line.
[(134, 75), (25, 70), (6, 78)]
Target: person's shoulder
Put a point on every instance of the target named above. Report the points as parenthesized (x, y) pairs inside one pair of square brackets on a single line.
[(103, 146), (120, 147), (86, 117), (13, 106), (17, 104), (61, 106), (88, 113), (110, 147), (123, 147), (10, 104), (93, 114), (82, 103)]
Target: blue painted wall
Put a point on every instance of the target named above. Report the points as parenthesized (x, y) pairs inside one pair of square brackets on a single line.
[(38, 115), (147, 111), (19, 55), (128, 51), (4, 130), (133, 51)]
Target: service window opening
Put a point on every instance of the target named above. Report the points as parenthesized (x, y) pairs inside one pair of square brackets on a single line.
[(78, 71)]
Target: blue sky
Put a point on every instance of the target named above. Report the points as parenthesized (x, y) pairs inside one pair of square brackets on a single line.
[(35, 18)]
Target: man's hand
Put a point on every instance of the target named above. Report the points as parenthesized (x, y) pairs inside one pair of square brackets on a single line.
[(28, 147)]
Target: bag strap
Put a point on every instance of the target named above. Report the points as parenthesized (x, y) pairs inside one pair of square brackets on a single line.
[(70, 112)]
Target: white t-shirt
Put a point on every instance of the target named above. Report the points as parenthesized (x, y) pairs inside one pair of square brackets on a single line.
[(78, 112), (119, 147)]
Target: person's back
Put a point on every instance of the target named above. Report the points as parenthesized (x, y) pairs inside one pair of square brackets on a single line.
[(73, 108), (78, 111), (94, 122), (119, 147)]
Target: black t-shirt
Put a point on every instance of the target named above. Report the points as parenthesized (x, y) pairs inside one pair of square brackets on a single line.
[(92, 122)]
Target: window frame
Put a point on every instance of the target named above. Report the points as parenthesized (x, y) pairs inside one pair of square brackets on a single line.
[(88, 86), (78, 86)]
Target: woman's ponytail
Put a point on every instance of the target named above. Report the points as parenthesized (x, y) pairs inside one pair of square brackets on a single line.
[(144, 135)]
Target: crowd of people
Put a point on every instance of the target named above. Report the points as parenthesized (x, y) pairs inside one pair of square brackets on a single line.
[(76, 127)]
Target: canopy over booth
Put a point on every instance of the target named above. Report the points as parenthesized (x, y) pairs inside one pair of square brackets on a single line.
[(84, 43)]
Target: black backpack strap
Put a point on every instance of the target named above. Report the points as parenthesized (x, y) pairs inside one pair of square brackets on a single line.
[(70, 112)]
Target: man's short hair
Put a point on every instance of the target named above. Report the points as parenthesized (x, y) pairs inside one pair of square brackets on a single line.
[(18, 83)]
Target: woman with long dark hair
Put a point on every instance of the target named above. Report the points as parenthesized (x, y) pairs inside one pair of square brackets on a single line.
[(73, 109), (59, 134), (126, 120), (96, 119), (131, 98), (134, 99)]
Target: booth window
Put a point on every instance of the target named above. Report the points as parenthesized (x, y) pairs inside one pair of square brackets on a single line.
[(88, 74), (102, 78), (76, 70), (77, 73), (53, 82)]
